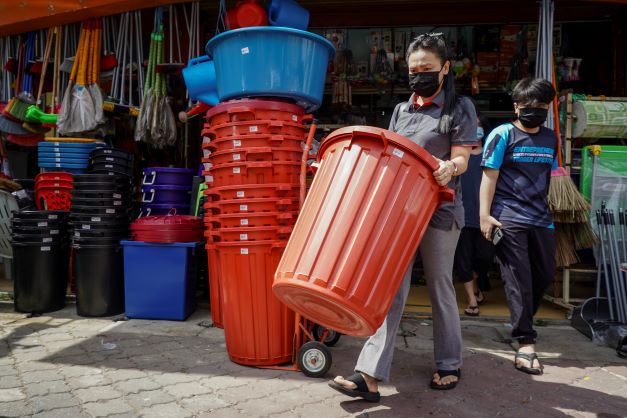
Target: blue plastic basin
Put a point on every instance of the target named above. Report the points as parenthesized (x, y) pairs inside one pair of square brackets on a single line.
[(271, 61)]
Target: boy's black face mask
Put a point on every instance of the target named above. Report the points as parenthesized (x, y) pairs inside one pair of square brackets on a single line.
[(532, 117), (425, 84)]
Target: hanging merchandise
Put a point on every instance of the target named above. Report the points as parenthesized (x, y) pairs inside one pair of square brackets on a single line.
[(599, 119), (17, 107), (94, 72)]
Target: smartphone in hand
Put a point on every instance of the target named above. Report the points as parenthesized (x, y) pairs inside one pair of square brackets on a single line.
[(497, 234)]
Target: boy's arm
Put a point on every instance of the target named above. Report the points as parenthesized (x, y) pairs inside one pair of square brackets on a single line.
[(486, 194)]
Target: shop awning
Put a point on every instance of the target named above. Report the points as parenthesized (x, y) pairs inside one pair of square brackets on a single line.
[(27, 15)]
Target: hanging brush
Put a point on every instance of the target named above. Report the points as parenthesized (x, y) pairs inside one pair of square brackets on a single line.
[(34, 113), (17, 109)]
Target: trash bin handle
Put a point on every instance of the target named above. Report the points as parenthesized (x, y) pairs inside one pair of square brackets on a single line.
[(277, 138), (154, 177), (258, 164), (152, 196), (446, 194), (260, 150), (240, 109)]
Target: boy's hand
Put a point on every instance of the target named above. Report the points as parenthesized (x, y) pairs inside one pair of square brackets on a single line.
[(488, 223)]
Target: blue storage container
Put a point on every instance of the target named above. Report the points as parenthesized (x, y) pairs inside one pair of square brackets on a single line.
[(160, 279), (271, 61)]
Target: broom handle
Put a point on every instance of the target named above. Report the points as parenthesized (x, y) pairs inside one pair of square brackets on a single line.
[(557, 120), (82, 71), (79, 54), (40, 90)]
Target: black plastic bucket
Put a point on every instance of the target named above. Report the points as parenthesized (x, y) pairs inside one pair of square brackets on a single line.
[(99, 276), (109, 152), (103, 185), (118, 232), (101, 194), (40, 273), (99, 178), (100, 210), (40, 239), (107, 159), (79, 201), (39, 231), (44, 215)]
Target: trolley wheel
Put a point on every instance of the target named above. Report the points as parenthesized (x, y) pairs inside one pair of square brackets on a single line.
[(332, 336), (314, 359)]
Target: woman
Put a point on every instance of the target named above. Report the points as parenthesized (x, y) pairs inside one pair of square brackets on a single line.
[(517, 162), (445, 125), (474, 254)]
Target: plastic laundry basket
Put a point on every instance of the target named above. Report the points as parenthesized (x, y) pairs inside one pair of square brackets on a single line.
[(369, 205)]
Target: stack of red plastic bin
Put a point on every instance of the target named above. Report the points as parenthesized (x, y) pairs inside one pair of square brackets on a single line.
[(252, 152), (53, 191)]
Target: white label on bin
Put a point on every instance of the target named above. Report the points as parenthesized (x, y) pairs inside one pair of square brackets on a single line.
[(47, 239), (108, 165), (209, 179), (243, 251), (45, 248), (295, 118), (236, 170), (117, 196), (110, 210), (117, 203), (243, 208), (240, 193), (237, 143), (57, 191), (243, 222), (109, 159), (96, 219), (42, 224), (245, 50), (237, 157), (58, 165), (107, 151), (53, 217), (205, 140), (398, 153), (253, 128), (86, 226), (58, 160), (56, 185), (54, 232), (77, 234), (243, 237)]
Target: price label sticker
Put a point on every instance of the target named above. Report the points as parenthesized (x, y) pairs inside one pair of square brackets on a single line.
[(96, 219), (243, 208), (237, 143), (110, 211), (243, 237), (42, 224), (398, 153), (240, 193), (86, 226), (45, 248), (245, 50), (253, 128), (243, 251), (47, 239), (236, 170), (237, 157), (243, 222)]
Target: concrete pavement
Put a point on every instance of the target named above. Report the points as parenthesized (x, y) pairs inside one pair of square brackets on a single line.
[(64, 365)]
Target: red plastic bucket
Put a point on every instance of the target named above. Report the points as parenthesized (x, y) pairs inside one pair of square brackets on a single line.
[(215, 290), (256, 127), (283, 154), (258, 329), (359, 228), (249, 234), (223, 207), (252, 220), (254, 109), (253, 191), (252, 141), (260, 172)]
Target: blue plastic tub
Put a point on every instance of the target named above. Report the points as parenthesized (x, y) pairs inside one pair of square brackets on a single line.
[(67, 154), (271, 61), (200, 79), (64, 165), (63, 145), (160, 279)]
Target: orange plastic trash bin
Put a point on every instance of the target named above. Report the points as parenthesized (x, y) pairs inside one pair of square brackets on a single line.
[(368, 208), (258, 329)]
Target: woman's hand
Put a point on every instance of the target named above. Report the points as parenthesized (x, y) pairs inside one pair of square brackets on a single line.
[(444, 173), (488, 223)]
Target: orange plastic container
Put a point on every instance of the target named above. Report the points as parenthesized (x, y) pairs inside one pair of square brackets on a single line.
[(269, 204), (55, 176), (253, 191), (267, 233), (256, 127), (215, 289), (254, 109), (280, 154), (252, 220), (53, 198), (258, 329), (259, 172), (368, 208), (252, 141)]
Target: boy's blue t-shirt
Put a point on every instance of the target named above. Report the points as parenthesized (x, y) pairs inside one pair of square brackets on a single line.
[(524, 162)]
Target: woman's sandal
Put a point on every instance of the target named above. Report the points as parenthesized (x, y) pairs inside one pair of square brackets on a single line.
[(530, 357), (482, 300), (443, 373), (361, 391), (472, 310)]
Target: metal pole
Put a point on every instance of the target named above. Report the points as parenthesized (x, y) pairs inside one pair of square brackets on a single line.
[(613, 266), (619, 275), (609, 287)]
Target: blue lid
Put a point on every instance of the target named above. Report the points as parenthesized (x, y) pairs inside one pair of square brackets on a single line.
[(155, 244)]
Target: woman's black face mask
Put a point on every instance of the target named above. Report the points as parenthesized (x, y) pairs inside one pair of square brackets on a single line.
[(532, 117), (425, 84)]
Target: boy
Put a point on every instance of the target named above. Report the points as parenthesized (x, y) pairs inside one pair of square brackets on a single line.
[(517, 162)]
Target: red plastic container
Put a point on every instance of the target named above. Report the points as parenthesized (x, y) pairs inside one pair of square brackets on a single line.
[(289, 154), (249, 234), (53, 198), (252, 206), (53, 184), (168, 229), (215, 289), (55, 176), (256, 127), (252, 220), (246, 13), (254, 109), (254, 173), (253, 141), (359, 228), (258, 329), (253, 191)]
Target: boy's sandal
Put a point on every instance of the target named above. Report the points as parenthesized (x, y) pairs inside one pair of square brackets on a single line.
[(530, 357), (361, 391), (472, 310), (443, 373), (482, 300)]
